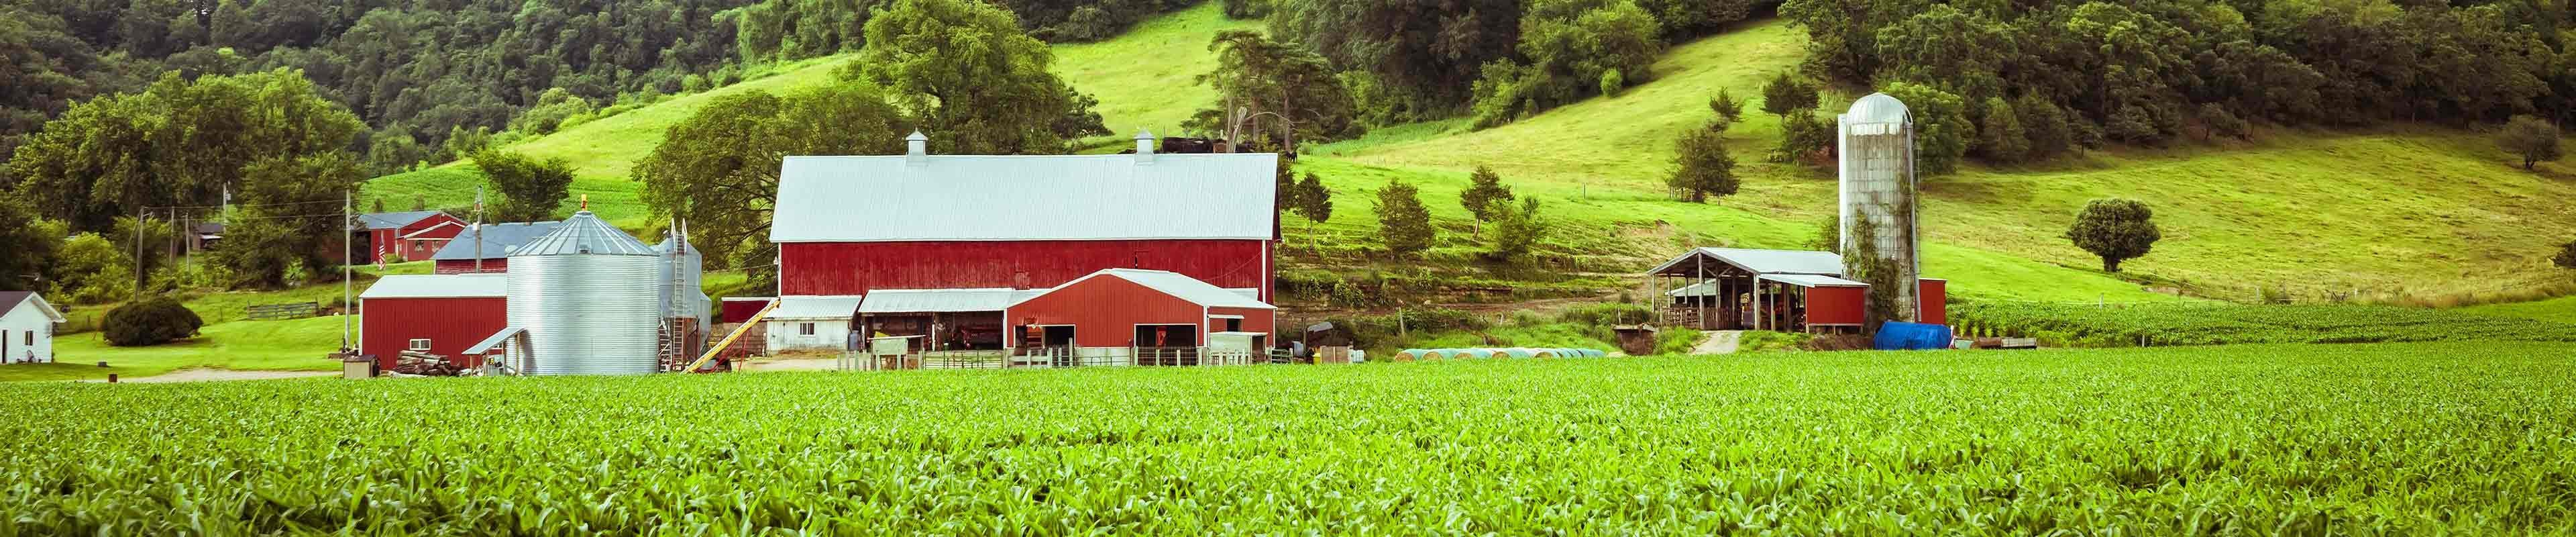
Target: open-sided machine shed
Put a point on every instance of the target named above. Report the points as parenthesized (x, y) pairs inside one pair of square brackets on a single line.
[(1789, 290)]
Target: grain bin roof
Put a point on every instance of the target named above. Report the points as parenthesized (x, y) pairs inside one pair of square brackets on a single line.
[(439, 286), (498, 240), (1024, 197), (1762, 261), (584, 233)]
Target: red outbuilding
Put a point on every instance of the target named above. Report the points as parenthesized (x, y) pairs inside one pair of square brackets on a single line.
[(487, 247), (437, 314), (1136, 309), (410, 236)]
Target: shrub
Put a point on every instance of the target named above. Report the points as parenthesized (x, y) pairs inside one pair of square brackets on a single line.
[(150, 322), (2115, 230), (2534, 140)]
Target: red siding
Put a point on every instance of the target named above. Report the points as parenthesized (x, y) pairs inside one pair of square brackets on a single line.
[(846, 268), (466, 266), (389, 241), (738, 311), (450, 324), (1105, 311), (1836, 305), (1934, 301), (1254, 319)]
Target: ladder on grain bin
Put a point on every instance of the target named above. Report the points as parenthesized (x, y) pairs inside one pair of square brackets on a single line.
[(673, 348), (738, 331)]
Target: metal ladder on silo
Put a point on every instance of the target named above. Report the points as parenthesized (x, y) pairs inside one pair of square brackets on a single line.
[(673, 349)]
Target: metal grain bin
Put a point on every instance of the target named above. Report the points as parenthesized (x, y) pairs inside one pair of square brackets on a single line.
[(1876, 140), (589, 296)]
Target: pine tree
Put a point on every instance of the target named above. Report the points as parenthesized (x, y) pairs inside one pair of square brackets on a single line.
[(1402, 222), (1484, 188)]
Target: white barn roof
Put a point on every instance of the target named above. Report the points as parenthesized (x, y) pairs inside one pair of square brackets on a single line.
[(439, 286), (942, 300), (824, 307), (1764, 261), (1175, 284), (1024, 197)]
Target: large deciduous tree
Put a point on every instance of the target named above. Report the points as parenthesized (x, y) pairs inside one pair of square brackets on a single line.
[(531, 188), (1573, 49), (291, 222), (718, 169), (967, 74), (2115, 230), (1277, 91), (31, 242), (179, 142), (1420, 56)]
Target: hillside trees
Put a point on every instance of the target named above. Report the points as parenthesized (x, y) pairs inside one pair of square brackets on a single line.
[(1573, 49), (718, 169), (1484, 188), (1403, 224), (1517, 227), (1313, 200), (964, 70), (530, 188), (2116, 230), (177, 143), (1261, 81), (290, 221), (2528, 137), (1785, 94), (1941, 127), (93, 270), (1703, 168), (32, 243), (1419, 57)]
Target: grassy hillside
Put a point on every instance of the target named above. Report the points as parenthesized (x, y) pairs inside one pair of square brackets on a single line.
[(601, 151), (1146, 79)]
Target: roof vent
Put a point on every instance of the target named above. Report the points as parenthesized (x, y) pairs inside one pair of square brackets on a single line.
[(916, 149), (1144, 146)]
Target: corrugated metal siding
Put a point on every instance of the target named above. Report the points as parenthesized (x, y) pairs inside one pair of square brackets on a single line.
[(450, 324), (466, 266), (1935, 298), (1105, 311), (856, 268), (1836, 305)]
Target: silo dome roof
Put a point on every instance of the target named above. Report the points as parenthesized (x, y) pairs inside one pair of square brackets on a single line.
[(584, 233), (1876, 108)]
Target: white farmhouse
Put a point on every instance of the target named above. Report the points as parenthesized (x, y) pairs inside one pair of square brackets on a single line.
[(27, 327)]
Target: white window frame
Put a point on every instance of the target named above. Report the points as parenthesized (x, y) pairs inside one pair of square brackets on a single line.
[(419, 344)]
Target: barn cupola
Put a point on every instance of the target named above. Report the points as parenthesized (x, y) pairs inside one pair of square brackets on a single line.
[(916, 149), (1144, 146)]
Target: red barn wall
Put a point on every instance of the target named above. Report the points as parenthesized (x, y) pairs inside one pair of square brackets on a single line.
[(1254, 319), (1105, 311), (451, 324), (1837, 305), (854, 268), (466, 266), (740, 311), (1934, 302)]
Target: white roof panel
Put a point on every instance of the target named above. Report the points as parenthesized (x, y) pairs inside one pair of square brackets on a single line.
[(1024, 197), (941, 300), (439, 286), (1185, 287), (1767, 261), (831, 307)]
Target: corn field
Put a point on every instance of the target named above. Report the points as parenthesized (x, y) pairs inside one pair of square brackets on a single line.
[(2474, 438)]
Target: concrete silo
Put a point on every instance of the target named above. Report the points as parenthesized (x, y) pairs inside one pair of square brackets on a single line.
[(590, 297), (1875, 141)]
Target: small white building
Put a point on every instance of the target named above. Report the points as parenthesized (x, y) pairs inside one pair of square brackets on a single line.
[(812, 323), (27, 327)]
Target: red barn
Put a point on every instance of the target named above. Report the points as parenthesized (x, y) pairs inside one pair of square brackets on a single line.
[(959, 233), (436, 314), (1136, 308), (411, 236)]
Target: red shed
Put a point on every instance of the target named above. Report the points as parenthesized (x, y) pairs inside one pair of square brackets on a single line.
[(1137, 308), (438, 314), (411, 235), (1829, 301), (1934, 301)]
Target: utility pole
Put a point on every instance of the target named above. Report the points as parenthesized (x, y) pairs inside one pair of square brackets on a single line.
[(346, 237), (138, 251), (478, 230)]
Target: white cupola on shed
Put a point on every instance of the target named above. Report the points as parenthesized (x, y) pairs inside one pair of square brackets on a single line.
[(916, 149), (1144, 146)]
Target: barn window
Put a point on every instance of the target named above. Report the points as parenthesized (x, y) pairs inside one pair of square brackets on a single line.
[(805, 329), (31, 337), (420, 345)]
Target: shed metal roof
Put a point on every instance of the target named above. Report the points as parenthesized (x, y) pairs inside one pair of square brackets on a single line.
[(1765, 261), (1024, 197), (1175, 284), (584, 233), (439, 286), (11, 300), (498, 240), (394, 220), (942, 300), (1812, 280), (816, 307)]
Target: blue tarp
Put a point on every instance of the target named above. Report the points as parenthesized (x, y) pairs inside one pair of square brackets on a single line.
[(1896, 336)]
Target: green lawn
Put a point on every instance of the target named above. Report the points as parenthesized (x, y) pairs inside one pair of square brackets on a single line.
[(2451, 438), (295, 345)]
